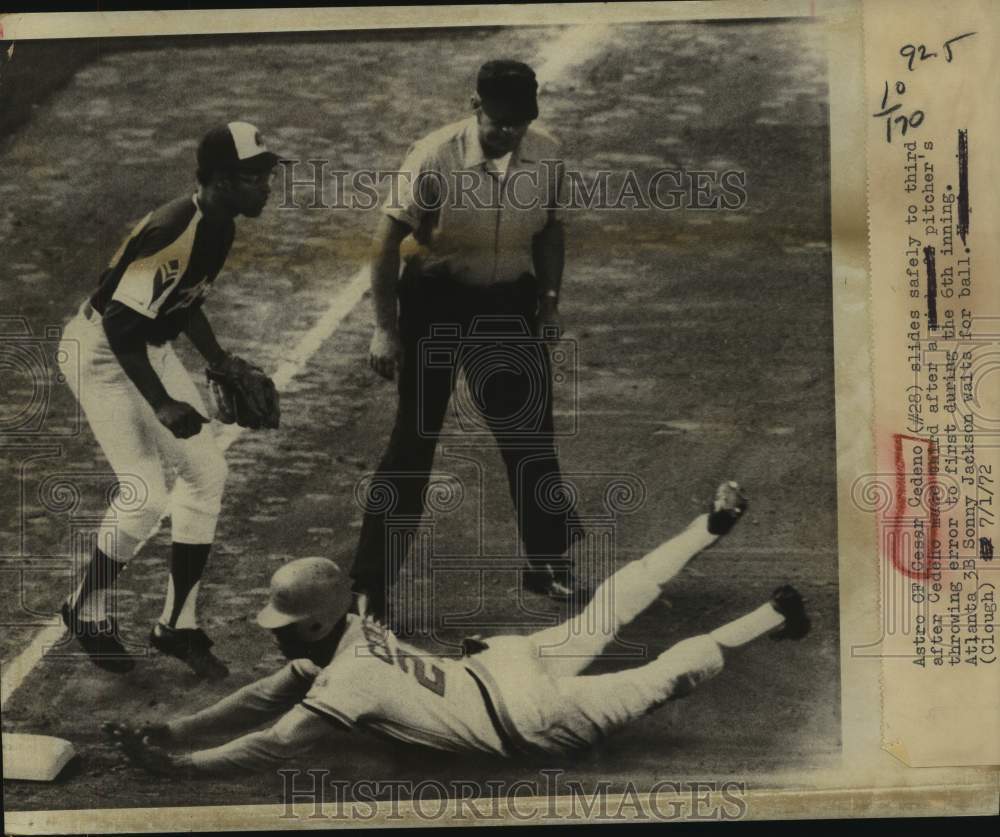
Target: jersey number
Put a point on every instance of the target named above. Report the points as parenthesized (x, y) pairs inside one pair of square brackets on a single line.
[(434, 681)]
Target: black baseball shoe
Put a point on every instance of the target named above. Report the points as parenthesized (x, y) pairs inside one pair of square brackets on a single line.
[(726, 508), (191, 646), (100, 640), (788, 602)]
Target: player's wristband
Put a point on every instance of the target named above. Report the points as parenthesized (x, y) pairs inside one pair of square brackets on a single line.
[(551, 294)]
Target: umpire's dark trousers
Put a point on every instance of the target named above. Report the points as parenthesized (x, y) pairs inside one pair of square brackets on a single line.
[(489, 333)]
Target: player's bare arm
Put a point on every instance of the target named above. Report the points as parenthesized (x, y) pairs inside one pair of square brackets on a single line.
[(549, 257), (386, 351), (179, 417)]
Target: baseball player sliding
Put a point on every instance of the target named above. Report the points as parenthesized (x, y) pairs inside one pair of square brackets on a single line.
[(515, 696), (143, 406)]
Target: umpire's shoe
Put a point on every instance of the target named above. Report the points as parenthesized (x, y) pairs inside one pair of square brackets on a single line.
[(556, 583), (788, 602), (100, 640), (726, 508), (191, 646)]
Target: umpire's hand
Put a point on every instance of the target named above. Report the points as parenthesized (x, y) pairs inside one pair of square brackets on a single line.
[(385, 352), (548, 323)]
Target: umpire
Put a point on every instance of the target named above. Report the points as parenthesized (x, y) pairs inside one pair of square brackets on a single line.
[(479, 199)]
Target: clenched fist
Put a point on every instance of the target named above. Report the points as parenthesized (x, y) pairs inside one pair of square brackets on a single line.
[(385, 352)]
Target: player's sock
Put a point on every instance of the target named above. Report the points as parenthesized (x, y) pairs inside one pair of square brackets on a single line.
[(741, 631), (187, 563), (89, 602)]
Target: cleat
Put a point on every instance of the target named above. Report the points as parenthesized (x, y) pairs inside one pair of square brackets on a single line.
[(100, 640), (727, 507), (191, 646), (788, 602)]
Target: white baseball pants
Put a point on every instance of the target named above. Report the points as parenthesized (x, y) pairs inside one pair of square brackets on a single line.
[(138, 447)]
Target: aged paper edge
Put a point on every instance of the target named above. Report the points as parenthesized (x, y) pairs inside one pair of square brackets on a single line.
[(203, 22), (908, 710), (967, 800)]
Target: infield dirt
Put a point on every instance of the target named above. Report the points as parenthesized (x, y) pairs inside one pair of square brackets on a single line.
[(703, 350)]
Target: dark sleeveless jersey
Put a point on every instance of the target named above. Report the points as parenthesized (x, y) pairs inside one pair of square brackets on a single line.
[(162, 272)]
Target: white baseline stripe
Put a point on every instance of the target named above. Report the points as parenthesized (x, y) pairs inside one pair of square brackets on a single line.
[(573, 46), (554, 63)]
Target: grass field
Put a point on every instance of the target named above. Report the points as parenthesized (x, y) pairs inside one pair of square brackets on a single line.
[(704, 351)]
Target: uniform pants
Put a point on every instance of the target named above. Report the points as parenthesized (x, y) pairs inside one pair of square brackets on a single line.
[(137, 446), (536, 678), (487, 333)]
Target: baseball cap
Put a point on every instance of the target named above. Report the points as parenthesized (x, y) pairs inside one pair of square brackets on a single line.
[(509, 88), (234, 146)]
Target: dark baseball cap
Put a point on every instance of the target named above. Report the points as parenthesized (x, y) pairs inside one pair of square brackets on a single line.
[(508, 90), (234, 146)]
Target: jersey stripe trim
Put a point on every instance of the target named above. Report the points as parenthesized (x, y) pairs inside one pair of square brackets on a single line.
[(495, 707), (510, 748), (327, 714), (147, 283)]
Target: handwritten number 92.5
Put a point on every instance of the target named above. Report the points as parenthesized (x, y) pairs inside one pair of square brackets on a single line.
[(904, 122), (918, 52)]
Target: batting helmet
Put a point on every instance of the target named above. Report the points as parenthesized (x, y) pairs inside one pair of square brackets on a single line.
[(307, 588)]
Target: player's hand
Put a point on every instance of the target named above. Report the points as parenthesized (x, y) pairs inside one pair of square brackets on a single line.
[(385, 352), (548, 323), (180, 418), (158, 734), (137, 745)]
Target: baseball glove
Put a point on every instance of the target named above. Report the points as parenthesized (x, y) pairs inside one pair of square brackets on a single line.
[(243, 394)]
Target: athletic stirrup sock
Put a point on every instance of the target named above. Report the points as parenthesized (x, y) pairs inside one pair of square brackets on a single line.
[(187, 563)]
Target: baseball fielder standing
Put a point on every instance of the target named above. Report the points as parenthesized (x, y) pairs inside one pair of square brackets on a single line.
[(478, 197), (514, 696), (142, 405)]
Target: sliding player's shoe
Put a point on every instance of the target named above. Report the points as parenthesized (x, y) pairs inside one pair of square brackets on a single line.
[(191, 646), (788, 602), (727, 507), (100, 640)]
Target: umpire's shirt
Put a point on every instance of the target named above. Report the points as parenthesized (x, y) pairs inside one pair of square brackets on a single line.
[(471, 222)]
